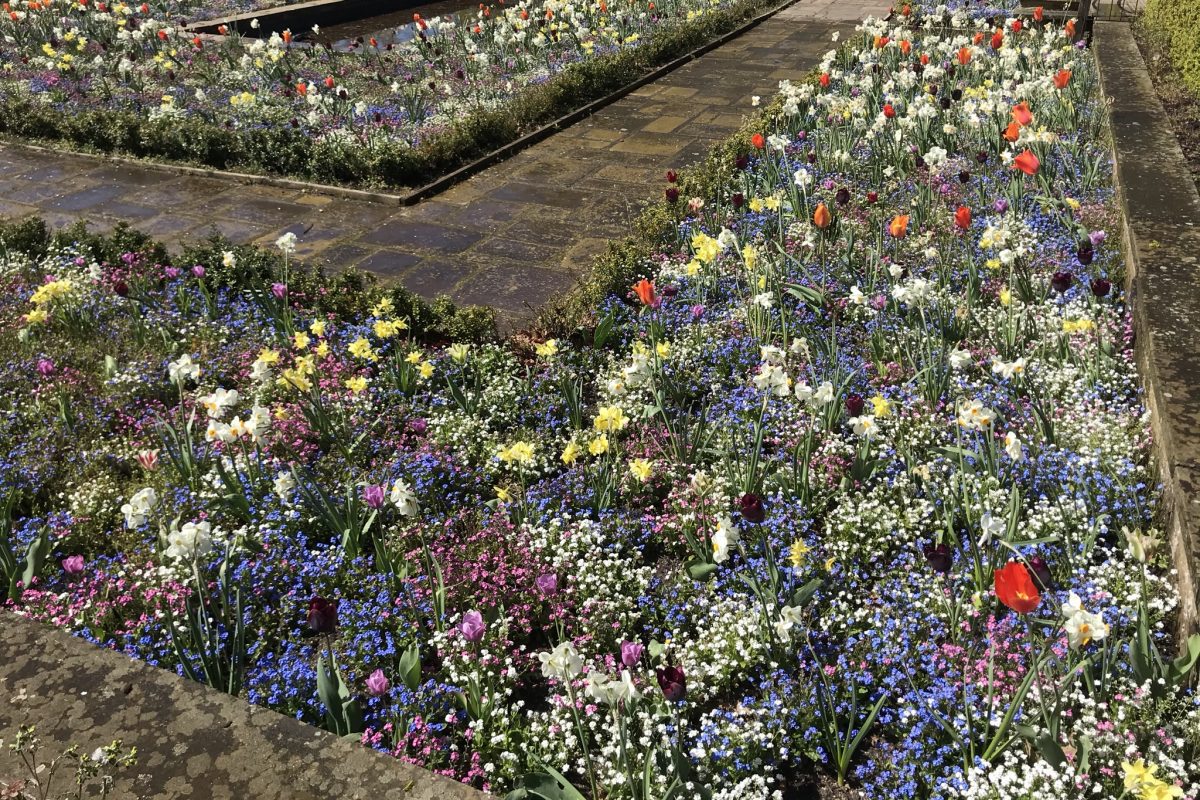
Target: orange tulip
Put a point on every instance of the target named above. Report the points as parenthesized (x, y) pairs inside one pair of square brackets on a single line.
[(977, 39), (822, 217), (962, 217), (644, 289), (758, 141), (964, 56), (1027, 162), (905, 46), (1021, 114), (1012, 132), (997, 40), (899, 226), (302, 88), (1062, 78), (824, 79), (287, 37), (1015, 588), (1039, 13), (1069, 29)]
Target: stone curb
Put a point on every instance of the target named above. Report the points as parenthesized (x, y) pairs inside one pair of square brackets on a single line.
[(192, 741), (1161, 212)]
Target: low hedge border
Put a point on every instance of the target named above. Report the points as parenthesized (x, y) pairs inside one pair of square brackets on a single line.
[(284, 153)]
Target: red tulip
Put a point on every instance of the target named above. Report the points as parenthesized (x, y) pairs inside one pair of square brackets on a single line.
[(1017, 26), (758, 141), (888, 111), (1062, 78), (1021, 114), (1027, 162), (962, 217), (644, 289), (1039, 13), (824, 79), (1015, 588), (997, 40)]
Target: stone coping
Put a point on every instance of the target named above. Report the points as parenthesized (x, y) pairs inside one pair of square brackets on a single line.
[(192, 741), (1161, 211)]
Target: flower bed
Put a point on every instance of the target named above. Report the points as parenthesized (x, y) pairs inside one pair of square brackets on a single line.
[(133, 80), (849, 491)]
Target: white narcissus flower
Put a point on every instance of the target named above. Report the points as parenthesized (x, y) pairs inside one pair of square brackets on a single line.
[(183, 369), (285, 484), (864, 426), (772, 380), (1082, 626), (991, 528), (856, 296), (1008, 370), (789, 617), (220, 401), (960, 359), (804, 392), (724, 537), (824, 395), (404, 499), (139, 507), (190, 542), (562, 663), (1012, 446)]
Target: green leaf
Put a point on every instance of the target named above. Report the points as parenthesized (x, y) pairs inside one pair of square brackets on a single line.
[(410, 668), (327, 691), (1050, 750), (700, 570), (1182, 666), (550, 785), (805, 593)]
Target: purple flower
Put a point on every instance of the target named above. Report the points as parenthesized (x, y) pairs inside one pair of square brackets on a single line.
[(418, 426), (548, 583), (1097, 238), (697, 312), (1001, 206), (279, 290), (751, 506), (198, 271), (72, 565), (1101, 287), (377, 684), (373, 496), (631, 653), (171, 272), (472, 626), (1041, 572), (323, 615), (940, 558), (45, 367), (1061, 281), (672, 682)]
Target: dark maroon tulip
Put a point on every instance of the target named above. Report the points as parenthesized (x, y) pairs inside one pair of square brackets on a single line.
[(1101, 287), (673, 683), (854, 405), (982, 156), (1041, 572), (121, 289), (956, 94), (672, 194), (672, 176), (737, 199), (670, 290), (812, 157), (741, 162), (872, 197), (920, 162), (940, 558), (964, 176), (1061, 281), (322, 615), (843, 196), (1085, 254), (751, 506)]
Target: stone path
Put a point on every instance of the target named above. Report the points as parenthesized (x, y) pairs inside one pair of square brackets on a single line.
[(510, 237)]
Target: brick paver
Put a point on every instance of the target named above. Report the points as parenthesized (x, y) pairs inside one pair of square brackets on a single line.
[(511, 236)]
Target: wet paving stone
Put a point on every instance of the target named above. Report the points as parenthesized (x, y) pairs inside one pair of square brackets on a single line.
[(422, 236)]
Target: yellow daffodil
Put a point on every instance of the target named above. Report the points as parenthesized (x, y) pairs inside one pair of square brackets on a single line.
[(570, 453), (798, 553), (356, 384), (599, 445), (880, 406), (641, 469), (425, 370), (361, 348), (610, 418), (300, 340), (317, 328), (547, 349)]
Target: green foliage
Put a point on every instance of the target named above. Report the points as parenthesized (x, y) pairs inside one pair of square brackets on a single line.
[(1174, 25)]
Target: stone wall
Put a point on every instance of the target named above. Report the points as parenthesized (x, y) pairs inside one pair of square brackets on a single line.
[(1162, 245), (192, 741)]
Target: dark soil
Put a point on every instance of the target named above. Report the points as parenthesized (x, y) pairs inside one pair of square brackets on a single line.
[(1181, 104)]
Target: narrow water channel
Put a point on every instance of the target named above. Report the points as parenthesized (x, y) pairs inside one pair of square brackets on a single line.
[(386, 29)]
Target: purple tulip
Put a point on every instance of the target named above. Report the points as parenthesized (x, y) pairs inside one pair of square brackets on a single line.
[(697, 312), (1097, 238), (1041, 572), (198, 271), (45, 367), (751, 506), (1001, 206), (323, 615), (1061, 281), (472, 626), (373, 496), (631, 653), (1101, 287), (672, 682), (418, 426), (171, 272), (72, 565), (279, 290), (547, 584), (940, 558), (377, 684)]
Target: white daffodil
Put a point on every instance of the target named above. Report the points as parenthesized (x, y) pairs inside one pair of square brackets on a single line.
[(194, 540), (404, 499), (139, 507), (562, 663), (1082, 626), (724, 537)]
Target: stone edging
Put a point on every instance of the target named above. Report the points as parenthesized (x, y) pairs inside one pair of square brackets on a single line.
[(1161, 211), (439, 185), (192, 741)]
